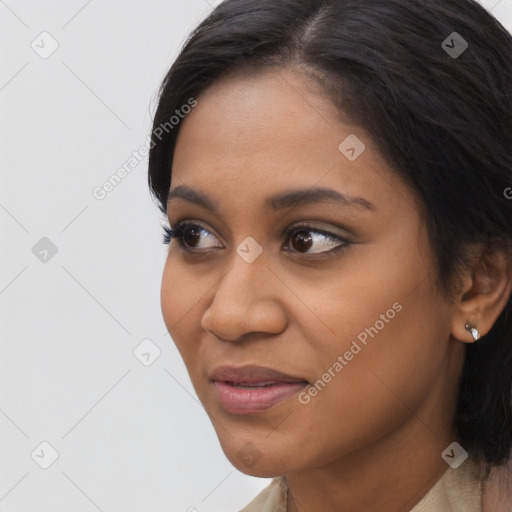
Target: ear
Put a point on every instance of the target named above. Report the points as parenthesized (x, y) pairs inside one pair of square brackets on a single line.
[(485, 291)]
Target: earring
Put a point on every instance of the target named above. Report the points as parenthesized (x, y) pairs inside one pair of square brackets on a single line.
[(473, 330)]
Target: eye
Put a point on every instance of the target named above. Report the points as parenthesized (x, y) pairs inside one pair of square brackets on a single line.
[(188, 235), (303, 238)]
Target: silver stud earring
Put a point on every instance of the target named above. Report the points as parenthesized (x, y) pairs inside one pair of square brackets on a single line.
[(473, 330)]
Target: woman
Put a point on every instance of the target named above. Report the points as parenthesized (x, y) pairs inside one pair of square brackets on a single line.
[(337, 179)]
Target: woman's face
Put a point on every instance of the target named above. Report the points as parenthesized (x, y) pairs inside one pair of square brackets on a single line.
[(333, 286)]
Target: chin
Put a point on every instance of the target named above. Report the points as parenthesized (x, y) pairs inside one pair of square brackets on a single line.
[(260, 469), (254, 462)]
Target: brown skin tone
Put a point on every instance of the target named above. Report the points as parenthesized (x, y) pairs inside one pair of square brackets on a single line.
[(372, 438)]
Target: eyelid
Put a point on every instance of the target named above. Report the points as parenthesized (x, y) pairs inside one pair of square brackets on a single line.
[(294, 227), (342, 241), (193, 222), (310, 226)]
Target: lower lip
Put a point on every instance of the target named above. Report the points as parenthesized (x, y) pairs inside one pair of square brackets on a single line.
[(237, 400)]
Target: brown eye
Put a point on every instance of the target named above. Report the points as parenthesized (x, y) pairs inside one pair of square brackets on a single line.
[(304, 238), (301, 241), (191, 236)]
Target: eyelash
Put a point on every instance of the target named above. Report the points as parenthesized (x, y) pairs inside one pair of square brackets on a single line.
[(180, 228)]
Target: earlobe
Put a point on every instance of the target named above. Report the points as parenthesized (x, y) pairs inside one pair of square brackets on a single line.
[(467, 331), (484, 294), (473, 330)]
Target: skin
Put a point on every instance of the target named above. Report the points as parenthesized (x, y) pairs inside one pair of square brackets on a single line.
[(372, 438)]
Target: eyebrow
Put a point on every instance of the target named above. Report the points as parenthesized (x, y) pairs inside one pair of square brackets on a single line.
[(281, 201)]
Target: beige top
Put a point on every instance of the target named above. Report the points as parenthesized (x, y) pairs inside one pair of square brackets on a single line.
[(458, 490)]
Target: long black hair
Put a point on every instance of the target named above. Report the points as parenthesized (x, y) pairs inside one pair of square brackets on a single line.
[(431, 82)]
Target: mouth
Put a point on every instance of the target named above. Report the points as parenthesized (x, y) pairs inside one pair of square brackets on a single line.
[(253, 389), (248, 385)]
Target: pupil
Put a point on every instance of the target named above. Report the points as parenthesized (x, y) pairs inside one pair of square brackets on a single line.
[(302, 240), (195, 235)]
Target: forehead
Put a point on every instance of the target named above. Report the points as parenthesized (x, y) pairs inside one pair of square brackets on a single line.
[(252, 135), (274, 111)]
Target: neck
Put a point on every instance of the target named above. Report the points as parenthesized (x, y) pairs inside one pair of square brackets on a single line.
[(390, 475)]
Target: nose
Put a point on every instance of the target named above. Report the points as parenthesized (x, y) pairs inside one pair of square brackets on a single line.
[(248, 299)]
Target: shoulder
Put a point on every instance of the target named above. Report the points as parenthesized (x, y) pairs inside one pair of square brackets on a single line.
[(458, 490), (497, 489), (270, 499), (466, 489)]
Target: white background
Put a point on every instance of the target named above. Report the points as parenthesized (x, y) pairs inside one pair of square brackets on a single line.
[(129, 437)]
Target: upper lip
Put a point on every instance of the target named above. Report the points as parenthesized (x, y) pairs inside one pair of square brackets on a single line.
[(251, 374)]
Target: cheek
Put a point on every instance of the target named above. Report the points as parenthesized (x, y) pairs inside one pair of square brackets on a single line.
[(170, 288), (180, 300), (383, 307), (378, 341)]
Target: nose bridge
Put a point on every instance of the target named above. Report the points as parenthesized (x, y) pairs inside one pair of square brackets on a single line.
[(245, 299)]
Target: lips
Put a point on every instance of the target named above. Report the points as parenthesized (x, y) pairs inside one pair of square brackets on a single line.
[(253, 389), (252, 376)]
